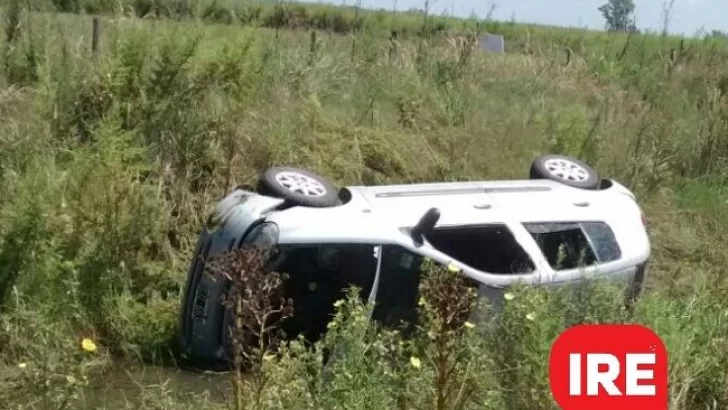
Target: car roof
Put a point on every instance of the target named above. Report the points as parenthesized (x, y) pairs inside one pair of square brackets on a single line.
[(375, 213)]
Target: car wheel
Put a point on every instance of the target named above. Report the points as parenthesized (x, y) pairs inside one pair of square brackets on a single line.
[(566, 170), (298, 187)]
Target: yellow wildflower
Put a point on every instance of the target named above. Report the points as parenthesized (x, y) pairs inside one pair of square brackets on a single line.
[(453, 268), (88, 345), (22, 365), (509, 296), (531, 317), (469, 325), (415, 362)]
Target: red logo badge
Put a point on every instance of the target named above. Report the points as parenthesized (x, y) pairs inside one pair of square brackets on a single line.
[(601, 367)]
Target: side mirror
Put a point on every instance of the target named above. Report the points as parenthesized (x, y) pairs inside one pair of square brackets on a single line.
[(425, 225)]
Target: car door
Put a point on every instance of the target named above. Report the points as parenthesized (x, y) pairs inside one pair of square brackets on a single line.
[(495, 255)]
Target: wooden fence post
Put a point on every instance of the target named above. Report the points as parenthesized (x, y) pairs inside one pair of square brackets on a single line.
[(95, 34)]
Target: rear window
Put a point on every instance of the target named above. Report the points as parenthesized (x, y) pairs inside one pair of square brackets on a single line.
[(569, 245)]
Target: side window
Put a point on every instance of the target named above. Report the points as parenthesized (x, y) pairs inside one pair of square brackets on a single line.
[(398, 292), (488, 248), (569, 245), (319, 275), (603, 240)]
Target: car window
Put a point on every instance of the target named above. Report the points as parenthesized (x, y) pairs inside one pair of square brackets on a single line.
[(603, 240), (398, 292), (319, 275), (569, 245), (488, 248)]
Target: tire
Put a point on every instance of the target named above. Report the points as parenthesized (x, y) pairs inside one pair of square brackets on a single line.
[(566, 170), (298, 187)]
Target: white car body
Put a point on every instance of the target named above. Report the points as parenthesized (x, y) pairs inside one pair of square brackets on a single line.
[(378, 214), (384, 215)]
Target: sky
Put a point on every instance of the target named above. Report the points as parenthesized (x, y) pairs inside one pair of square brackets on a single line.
[(688, 16)]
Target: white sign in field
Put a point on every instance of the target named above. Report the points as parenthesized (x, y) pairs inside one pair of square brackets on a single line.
[(492, 42)]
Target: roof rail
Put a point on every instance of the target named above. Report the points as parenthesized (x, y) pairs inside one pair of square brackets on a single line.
[(463, 191)]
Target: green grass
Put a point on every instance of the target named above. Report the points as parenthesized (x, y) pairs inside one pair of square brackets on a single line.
[(108, 162)]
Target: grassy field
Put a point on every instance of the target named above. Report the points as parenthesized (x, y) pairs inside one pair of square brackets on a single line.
[(108, 162)]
